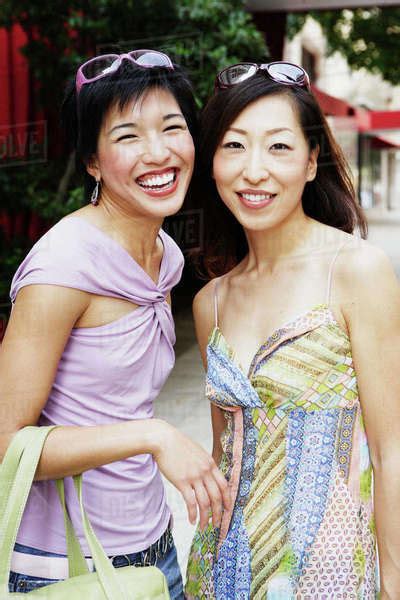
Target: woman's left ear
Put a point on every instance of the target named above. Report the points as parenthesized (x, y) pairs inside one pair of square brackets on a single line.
[(93, 169), (312, 164)]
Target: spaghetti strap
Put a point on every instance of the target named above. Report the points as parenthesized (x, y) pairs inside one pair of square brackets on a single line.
[(216, 302), (330, 273)]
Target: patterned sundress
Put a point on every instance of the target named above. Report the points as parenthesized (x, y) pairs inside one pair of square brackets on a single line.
[(296, 455)]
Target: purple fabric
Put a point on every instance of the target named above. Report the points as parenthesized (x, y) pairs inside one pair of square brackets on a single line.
[(106, 374)]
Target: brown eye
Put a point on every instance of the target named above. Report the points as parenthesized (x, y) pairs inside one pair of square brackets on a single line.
[(233, 145), (280, 146), (129, 136), (172, 127)]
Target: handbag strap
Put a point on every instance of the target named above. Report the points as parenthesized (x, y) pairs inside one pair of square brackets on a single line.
[(8, 469), (104, 568), (17, 473), (77, 564), (9, 466)]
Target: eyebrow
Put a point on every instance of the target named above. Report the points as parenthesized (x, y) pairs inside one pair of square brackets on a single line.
[(268, 131), (165, 118)]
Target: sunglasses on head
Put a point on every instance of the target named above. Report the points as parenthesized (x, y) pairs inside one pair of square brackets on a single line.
[(106, 64), (280, 71)]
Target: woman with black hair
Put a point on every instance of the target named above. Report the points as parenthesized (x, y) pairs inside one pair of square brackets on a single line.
[(90, 339), (299, 331)]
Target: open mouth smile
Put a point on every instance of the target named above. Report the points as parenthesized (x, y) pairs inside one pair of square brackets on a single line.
[(253, 198), (159, 183)]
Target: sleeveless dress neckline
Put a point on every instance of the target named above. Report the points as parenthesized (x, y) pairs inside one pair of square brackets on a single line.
[(274, 337)]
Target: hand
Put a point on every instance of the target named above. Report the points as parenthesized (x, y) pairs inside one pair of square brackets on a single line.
[(194, 473)]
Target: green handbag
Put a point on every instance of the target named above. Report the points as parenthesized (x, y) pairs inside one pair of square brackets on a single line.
[(16, 475)]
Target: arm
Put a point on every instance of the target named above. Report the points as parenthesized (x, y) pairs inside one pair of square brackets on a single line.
[(38, 331), (39, 327), (373, 319), (203, 313)]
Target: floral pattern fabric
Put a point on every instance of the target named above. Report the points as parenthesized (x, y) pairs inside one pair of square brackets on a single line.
[(296, 457)]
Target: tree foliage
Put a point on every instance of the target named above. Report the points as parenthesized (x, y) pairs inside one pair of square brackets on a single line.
[(203, 35), (367, 37)]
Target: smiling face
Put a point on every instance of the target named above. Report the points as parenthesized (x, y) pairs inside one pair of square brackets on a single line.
[(145, 156), (263, 163)]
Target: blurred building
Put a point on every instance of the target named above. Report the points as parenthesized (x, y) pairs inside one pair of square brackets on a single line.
[(362, 108)]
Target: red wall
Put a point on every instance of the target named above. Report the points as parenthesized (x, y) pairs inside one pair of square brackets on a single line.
[(16, 109), (14, 79)]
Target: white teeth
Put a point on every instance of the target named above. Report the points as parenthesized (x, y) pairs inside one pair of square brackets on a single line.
[(157, 180), (256, 197)]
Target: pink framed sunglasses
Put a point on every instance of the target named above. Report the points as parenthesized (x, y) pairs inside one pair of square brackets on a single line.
[(101, 66), (279, 71)]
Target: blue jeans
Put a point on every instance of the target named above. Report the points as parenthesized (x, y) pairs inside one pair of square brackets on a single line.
[(168, 564)]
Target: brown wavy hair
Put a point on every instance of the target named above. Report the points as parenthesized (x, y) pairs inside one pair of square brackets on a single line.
[(330, 198)]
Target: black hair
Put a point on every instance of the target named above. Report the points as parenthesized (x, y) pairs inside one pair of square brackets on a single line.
[(330, 198), (82, 114)]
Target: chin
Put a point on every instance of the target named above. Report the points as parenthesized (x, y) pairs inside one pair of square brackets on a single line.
[(263, 222), (164, 207), (259, 224)]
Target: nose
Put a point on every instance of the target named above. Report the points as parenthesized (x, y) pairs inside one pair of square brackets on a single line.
[(255, 168), (156, 151)]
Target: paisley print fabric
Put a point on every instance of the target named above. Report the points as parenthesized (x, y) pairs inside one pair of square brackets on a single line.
[(296, 456)]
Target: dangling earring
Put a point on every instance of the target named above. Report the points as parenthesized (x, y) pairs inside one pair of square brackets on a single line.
[(94, 198)]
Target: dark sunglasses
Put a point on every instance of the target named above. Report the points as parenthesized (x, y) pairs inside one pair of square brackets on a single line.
[(280, 71)]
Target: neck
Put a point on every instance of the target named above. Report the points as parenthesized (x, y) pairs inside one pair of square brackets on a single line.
[(293, 237), (137, 233)]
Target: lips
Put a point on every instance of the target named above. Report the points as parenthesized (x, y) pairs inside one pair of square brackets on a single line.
[(159, 183), (157, 179), (256, 198)]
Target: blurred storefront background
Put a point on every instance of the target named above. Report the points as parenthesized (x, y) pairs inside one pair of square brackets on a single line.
[(362, 108)]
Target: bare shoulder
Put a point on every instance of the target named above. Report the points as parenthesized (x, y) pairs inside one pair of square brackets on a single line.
[(205, 293), (368, 289), (363, 264), (203, 304), (204, 300)]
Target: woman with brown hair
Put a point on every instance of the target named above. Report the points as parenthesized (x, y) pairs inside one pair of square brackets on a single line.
[(300, 351)]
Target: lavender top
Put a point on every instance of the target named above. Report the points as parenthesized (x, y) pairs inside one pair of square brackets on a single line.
[(106, 374)]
